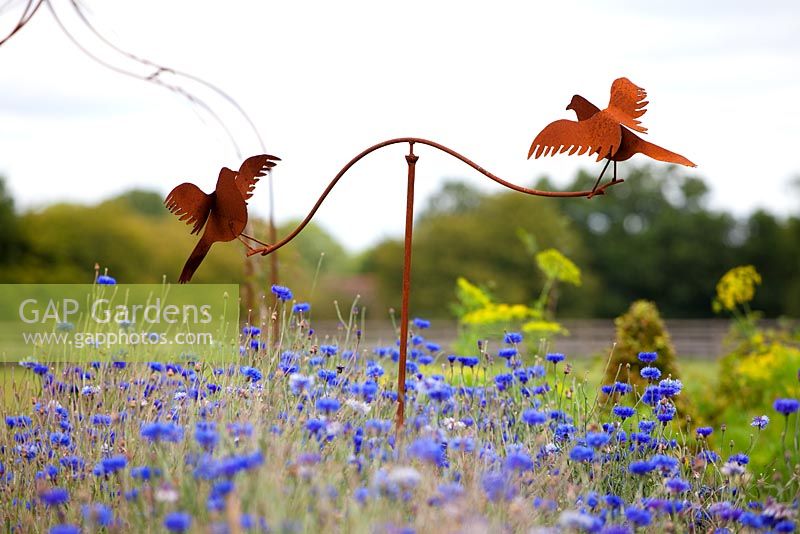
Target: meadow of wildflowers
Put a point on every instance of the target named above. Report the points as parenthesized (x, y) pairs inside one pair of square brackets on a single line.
[(299, 436)]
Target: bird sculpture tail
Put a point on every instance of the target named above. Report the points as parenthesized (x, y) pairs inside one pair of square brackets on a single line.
[(194, 261), (662, 154)]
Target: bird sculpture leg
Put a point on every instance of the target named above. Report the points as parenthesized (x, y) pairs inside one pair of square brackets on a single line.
[(251, 238), (249, 247), (601, 177)]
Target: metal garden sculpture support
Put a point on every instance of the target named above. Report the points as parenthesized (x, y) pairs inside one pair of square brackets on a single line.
[(601, 132)]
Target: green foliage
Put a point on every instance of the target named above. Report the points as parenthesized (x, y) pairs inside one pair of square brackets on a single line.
[(480, 318), (11, 243), (138, 241), (467, 234), (641, 329), (656, 226), (763, 365)]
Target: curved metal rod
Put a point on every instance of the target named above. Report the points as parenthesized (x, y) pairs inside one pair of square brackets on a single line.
[(528, 191), (27, 14)]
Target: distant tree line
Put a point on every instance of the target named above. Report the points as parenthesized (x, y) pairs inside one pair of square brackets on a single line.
[(653, 237)]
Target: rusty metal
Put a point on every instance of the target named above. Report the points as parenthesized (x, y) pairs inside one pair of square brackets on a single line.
[(411, 160), (631, 143), (604, 132), (223, 213)]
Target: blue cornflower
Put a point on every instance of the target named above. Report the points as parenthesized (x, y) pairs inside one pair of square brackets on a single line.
[(740, 458), (145, 472), (677, 485), (579, 453), (301, 307), (101, 420), (283, 293), (328, 350), (518, 461), (507, 352), (651, 395), (251, 331), (646, 426), (617, 387), (110, 465), (421, 323), (597, 439), (648, 357), (435, 347), (669, 387), (638, 516), (708, 456), (328, 404), (704, 431), (99, 513), (665, 412), (54, 496), (641, 467), (60, 439), (206, 434), (251, 373), (616, 529), (664, 463), (19, 420), (650, 373), (179, 521), (503, 381), (105, 280), (427, 450), (613, 501), (299, 383), (534, 417), (752, 520), (469, 361), (554, 357), (64, 529), (425, 359), (760, 422), (498, 487), (623, 412), (786, 406), (512, 338), (159, 431)]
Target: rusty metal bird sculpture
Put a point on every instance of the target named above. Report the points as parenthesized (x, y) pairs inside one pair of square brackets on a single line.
[(223, 212), (604, 132)]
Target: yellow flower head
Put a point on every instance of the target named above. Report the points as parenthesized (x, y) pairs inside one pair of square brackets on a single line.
[(737, 286), (555, 265)]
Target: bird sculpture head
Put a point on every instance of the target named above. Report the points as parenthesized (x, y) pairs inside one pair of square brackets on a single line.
[(574, 102)]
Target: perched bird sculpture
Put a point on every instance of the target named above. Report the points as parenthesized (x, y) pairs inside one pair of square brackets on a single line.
[(604, 132), (223, 212)]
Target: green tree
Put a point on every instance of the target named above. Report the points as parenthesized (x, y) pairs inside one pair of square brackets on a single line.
[(653, 238), (12, 244), (464, 233)]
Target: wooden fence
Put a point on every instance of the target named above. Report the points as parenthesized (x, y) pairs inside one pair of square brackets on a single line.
[(693, 338)]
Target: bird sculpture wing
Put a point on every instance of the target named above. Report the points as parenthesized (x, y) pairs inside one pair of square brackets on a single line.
[(190, 204), (250, 171), (600, 134), (627, 104)]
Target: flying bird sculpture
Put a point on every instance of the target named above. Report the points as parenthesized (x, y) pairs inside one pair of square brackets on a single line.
[(604, 132), (223, 213)]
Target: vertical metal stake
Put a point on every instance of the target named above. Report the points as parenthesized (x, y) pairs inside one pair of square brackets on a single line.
[(411, 159)]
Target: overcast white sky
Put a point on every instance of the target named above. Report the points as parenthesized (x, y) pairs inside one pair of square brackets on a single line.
[(324, 80)]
